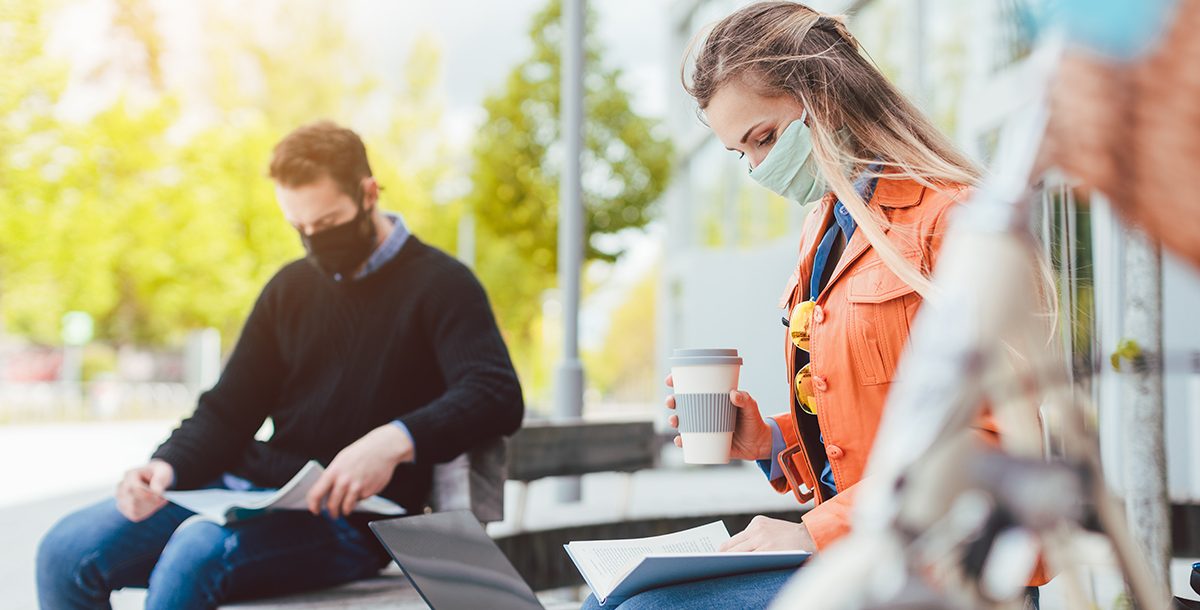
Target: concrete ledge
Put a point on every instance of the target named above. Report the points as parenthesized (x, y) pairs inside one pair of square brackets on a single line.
[(388, 591), (537, 555)]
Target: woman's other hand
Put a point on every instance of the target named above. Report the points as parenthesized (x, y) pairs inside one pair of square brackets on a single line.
[(767, 534)]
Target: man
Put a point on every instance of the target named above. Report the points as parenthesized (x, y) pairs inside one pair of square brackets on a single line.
[(378, 356)]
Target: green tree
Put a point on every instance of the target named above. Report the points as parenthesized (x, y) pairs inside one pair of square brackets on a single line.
[(155, 234), (151, 237), (32, 81), (517, 159)]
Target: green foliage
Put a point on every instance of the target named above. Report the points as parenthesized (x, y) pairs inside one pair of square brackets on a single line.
[(1128, 350), (112, 217), (150, 237), (517, 159), (1123, 601), (155, 229), (155, 216), (624, 369)]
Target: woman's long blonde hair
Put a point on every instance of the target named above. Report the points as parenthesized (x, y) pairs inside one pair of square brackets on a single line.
[(858, 117)]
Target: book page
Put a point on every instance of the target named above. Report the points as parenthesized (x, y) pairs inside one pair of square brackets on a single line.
[(603, 563), (213, 504), (294, 494), (225, 506)]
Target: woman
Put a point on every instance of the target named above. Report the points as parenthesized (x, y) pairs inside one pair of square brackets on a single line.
[(786, 88)]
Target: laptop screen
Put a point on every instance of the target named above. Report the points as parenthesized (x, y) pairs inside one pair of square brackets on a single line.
[(453, 564)]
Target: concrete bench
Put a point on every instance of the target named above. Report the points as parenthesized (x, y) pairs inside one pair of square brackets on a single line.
[(537, 451), (566, 449), (388, 591), (476, 482)]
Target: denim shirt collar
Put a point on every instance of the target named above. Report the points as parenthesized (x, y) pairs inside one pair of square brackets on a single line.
[(865, 186), (387, 250)]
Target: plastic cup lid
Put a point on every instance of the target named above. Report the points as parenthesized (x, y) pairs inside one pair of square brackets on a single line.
[(702, 353), (708, 356)]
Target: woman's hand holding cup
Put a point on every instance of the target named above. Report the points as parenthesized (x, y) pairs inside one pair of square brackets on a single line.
[(751, 435)]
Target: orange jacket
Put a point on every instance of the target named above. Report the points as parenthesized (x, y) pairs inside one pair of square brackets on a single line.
[(860, 326)]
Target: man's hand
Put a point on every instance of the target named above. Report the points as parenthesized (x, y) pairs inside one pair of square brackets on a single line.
[(360, 471), (139, 494), (767, 534)]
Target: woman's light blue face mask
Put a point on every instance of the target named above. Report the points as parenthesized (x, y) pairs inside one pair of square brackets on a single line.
[(789, 168)]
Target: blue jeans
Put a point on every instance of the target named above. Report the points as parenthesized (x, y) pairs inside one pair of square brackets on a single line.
[(96, 550), (744, 592)]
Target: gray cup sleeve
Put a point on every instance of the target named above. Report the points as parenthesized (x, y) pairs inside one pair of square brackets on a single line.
[(705, 412)]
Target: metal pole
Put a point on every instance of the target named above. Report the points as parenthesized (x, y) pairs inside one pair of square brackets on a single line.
[(683, 126), (569, 387), (1142, 445)]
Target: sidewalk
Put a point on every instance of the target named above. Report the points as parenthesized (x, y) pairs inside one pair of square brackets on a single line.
[(46, 460), (50, 470)]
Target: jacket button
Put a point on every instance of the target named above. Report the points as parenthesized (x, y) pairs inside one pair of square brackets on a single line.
[(819, 383), (818, 314), (834, 452)]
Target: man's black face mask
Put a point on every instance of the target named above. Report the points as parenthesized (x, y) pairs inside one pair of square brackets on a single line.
[(342, 248)]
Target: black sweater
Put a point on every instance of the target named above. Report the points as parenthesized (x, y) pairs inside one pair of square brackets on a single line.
[(328, 362)]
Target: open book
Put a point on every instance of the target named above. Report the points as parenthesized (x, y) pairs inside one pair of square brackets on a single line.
[(618, 569), (223, 506)]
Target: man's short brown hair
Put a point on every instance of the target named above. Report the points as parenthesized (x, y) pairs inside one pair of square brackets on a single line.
[(319, 149)]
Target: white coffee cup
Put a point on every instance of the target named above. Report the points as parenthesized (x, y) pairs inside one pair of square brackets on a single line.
[(703, 379)]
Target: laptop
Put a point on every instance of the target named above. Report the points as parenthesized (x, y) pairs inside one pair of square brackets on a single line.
[(453, 564)]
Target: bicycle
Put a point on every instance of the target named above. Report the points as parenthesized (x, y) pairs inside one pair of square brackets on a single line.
[(936, 507)]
